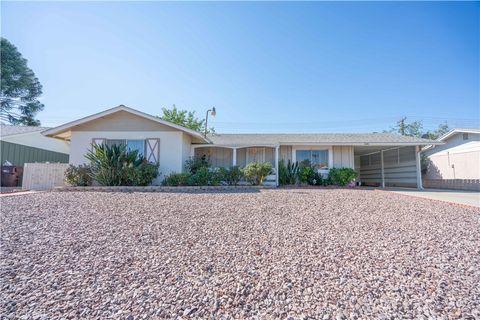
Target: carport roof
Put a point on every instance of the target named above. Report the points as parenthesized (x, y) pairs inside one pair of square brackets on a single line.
[(359, 139)]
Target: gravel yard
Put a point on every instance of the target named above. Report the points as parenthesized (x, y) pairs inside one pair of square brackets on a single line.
[(320, 254)]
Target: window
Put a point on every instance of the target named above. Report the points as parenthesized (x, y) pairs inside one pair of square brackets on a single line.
[(138, 145), (317, 158), (465, 136)]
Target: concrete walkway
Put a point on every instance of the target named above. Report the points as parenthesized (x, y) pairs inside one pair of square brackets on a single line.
[(470, 198)]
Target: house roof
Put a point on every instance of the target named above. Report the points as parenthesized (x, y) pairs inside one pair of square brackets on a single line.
[(10, 130), (457, 130), (383, 139), (62, 131)]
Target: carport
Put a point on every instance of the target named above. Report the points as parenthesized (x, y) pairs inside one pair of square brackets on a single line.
[(389, 166)]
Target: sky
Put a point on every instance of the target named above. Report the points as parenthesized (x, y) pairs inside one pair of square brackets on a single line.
[(265, 66)]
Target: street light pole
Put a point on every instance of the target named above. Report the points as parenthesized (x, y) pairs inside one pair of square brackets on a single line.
[(213, 112)]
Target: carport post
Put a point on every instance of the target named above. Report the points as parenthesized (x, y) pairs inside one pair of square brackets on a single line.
[(419, 168), (276, 166), (234, 157), (383, 169)]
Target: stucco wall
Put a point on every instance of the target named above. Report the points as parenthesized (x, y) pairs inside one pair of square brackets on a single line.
[(171, 146), (456, 159)]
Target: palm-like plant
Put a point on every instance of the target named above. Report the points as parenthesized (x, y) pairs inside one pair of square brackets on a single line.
[(111, 164)]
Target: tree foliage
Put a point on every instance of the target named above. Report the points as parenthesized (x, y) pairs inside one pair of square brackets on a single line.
[(20, 88), (415, 129), (184, 118)]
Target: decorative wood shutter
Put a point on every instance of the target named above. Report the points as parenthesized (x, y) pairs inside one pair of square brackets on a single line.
[(152, 150)]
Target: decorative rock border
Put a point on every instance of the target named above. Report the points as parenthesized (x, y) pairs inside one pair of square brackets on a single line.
[(163, 189)]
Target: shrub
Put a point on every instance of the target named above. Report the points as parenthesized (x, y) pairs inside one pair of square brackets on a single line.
[(115, 166), (232, 175), (177, 179), (342, 176), (79, 175), (205, 177), (256, 172), (195, 163), (287, 174), (307, 174)]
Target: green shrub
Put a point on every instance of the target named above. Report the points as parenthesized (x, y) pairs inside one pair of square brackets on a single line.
[(287, 174), (342, 176), (115, 166), (177, 179), (255, 173), (307, 174), (195, 163), (205, 177), (79, 175), (232, 175)]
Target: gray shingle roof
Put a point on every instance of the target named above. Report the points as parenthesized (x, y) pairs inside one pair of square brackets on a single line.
[(9, 130), (318, 138)]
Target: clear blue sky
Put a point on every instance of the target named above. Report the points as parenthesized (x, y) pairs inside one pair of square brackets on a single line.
[(267, 67)]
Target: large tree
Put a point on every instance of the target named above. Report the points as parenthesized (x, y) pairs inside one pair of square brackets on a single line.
[(184, 118), (20, 88), (415, 129)]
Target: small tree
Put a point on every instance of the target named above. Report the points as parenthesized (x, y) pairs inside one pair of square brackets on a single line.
[(184, 118), (256, 173), (20, 88)]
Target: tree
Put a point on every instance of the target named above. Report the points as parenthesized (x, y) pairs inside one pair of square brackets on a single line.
[(20, 88), (440, 131), (413, 129), (184, 118)]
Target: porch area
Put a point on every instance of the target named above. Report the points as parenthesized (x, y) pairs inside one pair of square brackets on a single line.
[(241, 156)]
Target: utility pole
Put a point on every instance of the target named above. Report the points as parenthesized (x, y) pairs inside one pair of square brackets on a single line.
[(402, 125)]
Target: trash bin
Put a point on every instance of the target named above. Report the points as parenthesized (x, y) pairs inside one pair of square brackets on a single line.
[(11, 176)]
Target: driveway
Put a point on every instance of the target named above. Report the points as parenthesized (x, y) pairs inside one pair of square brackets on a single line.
[(298, 254), (469, 198)]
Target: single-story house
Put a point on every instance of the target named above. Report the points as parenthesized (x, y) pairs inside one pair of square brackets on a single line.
[(457, 160), (381, 158), (26, 144)]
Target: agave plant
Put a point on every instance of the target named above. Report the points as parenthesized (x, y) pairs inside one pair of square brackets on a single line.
[(113, 165)]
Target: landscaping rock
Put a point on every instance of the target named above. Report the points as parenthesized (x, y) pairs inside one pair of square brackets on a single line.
[(253, 253)]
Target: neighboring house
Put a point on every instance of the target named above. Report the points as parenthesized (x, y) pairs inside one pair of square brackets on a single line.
[(457, 160), (381, 158), (24, 144)]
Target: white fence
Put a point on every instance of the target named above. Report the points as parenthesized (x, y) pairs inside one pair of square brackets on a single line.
[(43, 176)]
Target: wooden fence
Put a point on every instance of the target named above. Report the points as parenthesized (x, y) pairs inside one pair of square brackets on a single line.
[(43, 176)]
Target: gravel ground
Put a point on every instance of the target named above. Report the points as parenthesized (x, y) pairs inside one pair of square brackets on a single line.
[(298, 254)]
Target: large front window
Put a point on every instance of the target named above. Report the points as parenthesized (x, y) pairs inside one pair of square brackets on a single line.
[(138, 145), (317, 158)]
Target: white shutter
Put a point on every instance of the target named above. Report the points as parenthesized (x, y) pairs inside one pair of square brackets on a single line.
[(152, 150)]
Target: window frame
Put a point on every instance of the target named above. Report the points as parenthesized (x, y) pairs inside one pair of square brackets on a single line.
[(329, 149)]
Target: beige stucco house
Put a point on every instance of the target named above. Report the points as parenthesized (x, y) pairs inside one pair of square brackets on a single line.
[(458, 158), (381, 158)]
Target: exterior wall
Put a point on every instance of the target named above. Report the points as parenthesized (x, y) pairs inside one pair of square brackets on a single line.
[(186, 148), (285, 153), (219, 157), (456, 159), (242, 156), (125, 120), (171, 146), (43, 176), (37, 140), (399, 168), (19, 154), (343, 157)]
